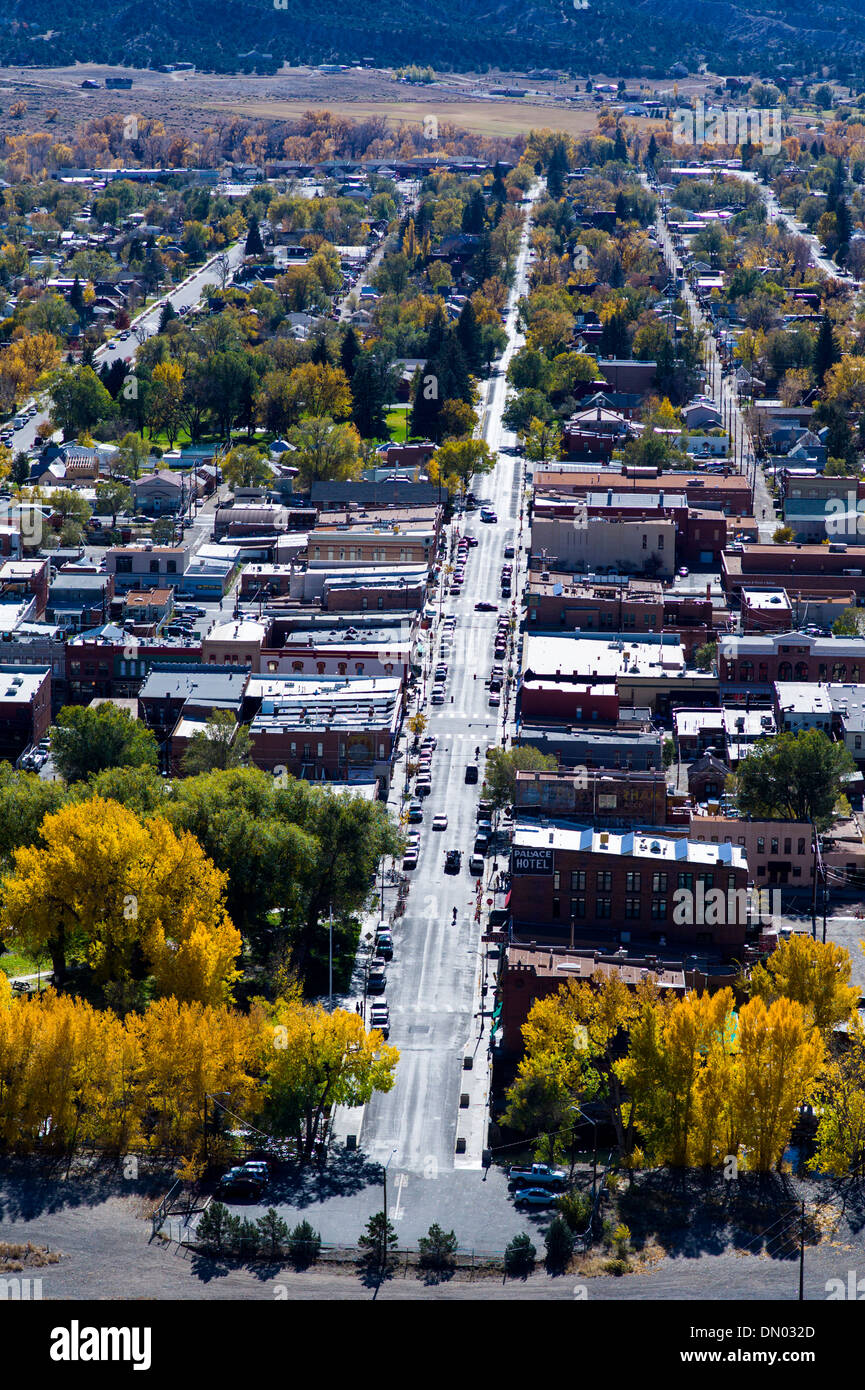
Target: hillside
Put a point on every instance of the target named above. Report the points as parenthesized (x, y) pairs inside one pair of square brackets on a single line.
[(238, 35)]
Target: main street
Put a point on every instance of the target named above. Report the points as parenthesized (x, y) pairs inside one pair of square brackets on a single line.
[(432, 985)]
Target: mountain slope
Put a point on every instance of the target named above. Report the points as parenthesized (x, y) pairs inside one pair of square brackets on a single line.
[(454, 34)]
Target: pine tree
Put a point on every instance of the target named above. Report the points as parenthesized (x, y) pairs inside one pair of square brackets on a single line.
[(167, 313), (825, 351), (378, 1242), (559, 1241), (652, 151), (349, 349), (621, 148), (474, 214), (371, 390), (469, 336), (272, 1233), (76, 297), (427, 403), (254, 244)]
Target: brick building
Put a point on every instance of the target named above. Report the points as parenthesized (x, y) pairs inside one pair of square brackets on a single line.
[(596, 888)]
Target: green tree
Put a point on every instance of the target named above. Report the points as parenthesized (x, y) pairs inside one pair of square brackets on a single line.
[(795, 776), (848, 623), (244, 466), (559, 1242), (520, 1256), (272, 1233), (213, 1231), (324, 451), (378, 1243), (372, 388), (221, 745), (115, 496), (437, 1249), (84, 741), (79, 401), (704, 656), (826, 350), (132, 455), (304, 1245), (502, 768), (254, 245)]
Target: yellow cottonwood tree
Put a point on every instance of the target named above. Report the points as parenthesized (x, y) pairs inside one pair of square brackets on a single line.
[(312, 1060), (780, 1058), (133, 898), (814, 973)]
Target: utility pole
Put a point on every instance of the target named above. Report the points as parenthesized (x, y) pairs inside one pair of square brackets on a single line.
[(802, 1254), (330, 959)]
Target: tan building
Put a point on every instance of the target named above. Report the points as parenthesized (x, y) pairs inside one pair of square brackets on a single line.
[(234, 644), (588, 543), (778, 851)]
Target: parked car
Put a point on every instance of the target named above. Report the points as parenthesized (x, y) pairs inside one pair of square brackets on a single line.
[(533, 1197), (379, 1018), (476, 864), (384, 944)]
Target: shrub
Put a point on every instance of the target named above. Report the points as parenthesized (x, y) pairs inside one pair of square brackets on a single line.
[(560, 1245), (621, 1241), (520, 1256), (304, 1245), (576, 1208)]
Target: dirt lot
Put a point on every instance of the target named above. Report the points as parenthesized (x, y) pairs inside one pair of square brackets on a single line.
[(189, 102)]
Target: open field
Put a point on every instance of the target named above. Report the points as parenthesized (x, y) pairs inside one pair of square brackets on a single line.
[(190, 102), (491, 118)]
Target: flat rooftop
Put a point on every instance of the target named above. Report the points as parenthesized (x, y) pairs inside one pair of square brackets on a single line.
[(529, 835)]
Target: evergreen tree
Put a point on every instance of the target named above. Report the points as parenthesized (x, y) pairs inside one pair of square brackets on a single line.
[(76, 298), (621, 208), (825, 351), (349, 349), (652, 151), (319, 353), (469, 336), (452, 370), (167, 313), (20, 469), (556, 170), (427, 403), (474, 214), (254, 244), (371, 390), (559, 1241), (498, 192), (620, 150)]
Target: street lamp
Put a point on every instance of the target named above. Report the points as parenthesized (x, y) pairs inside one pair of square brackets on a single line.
[(384, 1208), (594, 1124), (212, 1095)]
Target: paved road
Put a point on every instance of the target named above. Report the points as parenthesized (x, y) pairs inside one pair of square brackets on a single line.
[(433, 976), (722, 390), (187, 293)]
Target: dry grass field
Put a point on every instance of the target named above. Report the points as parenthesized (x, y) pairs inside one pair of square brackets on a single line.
[(490, 118), (188, 102)]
